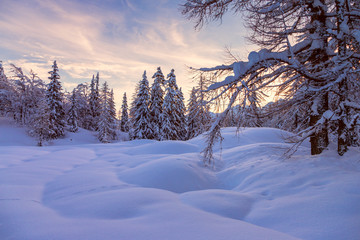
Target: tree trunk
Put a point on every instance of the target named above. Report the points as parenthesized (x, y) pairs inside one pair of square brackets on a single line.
[(319, 140)]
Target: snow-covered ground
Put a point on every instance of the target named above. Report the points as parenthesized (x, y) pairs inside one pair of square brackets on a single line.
[(75, 188)]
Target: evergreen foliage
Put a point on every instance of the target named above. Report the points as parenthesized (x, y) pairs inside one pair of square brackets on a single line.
[(141, 119), (156, 104), (174, 122), (106, 126), (72, 114), (198, 116), (124, 119), (94, 101), (54, 100)]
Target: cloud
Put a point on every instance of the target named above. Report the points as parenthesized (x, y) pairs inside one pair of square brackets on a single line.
[(119, 39)]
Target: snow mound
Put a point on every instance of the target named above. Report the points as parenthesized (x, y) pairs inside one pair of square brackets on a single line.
[(221, 202), (175, 174), (147, 189), (13, 135), (163, 147)]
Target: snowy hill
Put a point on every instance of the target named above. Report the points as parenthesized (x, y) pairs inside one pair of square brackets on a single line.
[(78, 189)]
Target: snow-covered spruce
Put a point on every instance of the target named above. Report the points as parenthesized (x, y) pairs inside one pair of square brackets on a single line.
[(106, 127), (73, 113), (156, 104), (124, 118), (174, 121), (55, 103), (141, 125), (94, 101)]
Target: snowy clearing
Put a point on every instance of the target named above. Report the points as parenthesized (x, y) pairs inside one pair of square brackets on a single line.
[(76, 188)]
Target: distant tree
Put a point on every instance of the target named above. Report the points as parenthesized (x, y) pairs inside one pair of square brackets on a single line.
[(182, 115), (40, 126), (124, 119), (94, 101), (6, 92), (156, 104), (173, 126), (112, 112), (105, 128), (27, 91), (72, 114), (141, 115), (198, 114), (85, 118), (54, 100)]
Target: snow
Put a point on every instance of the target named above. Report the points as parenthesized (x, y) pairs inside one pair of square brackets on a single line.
[(145, 189)]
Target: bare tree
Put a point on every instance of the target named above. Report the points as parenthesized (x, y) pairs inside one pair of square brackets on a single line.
[(309, 54)]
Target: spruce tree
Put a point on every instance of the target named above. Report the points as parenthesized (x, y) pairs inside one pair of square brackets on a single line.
[(141, 119), (54, 101), (198, 117), (112, 112), (73, 113), (156, 104), (94, 100), (124, 122), (182, 115), (173, 126), (105, 128)]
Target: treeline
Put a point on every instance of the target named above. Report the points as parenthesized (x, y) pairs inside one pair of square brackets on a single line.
[(157, 112)]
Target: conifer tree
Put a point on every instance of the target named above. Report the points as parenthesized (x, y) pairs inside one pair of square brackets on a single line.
[(141, 118), (173, 126), (182, 115), (124, 122), (73, 113), (54, 100), (105, 128), (198, 117), (94, 100), (112, 112), (156, 104)]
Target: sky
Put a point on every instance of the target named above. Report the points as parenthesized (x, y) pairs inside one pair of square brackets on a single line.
[(117, 38)]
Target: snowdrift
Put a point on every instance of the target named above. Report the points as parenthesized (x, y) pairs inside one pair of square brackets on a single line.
[(76, 189)]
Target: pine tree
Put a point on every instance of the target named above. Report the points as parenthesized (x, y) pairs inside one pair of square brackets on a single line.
[(198, 117), (156, 104), (141, 119), (173, 126), (105, 128), (54, 100), (73, 115), (124, 122), (182, 115), (112, 112), (94, 100)]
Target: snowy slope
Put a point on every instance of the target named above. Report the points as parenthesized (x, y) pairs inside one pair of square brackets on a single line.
[(160, 190)]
